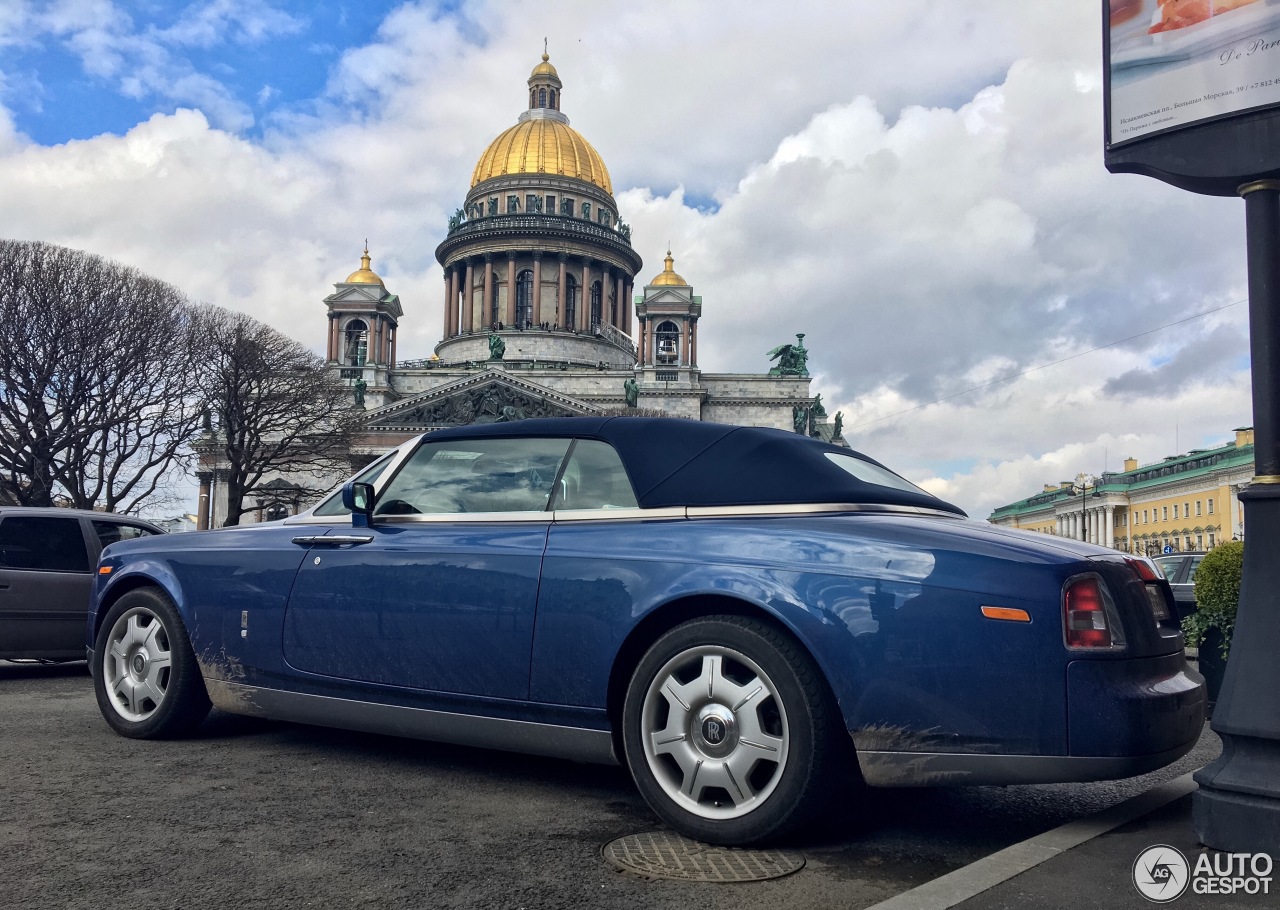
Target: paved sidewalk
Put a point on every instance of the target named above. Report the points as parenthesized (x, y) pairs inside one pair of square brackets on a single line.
[(1086, 864)]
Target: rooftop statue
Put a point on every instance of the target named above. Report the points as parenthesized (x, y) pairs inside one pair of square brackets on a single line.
[(497, 347), (793, 359)]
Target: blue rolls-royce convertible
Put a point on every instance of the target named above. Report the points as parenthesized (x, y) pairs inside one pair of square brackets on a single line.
[(750, 620)]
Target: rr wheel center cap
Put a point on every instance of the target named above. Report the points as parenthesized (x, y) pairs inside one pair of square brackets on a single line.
[(139, 664), (715, 730)]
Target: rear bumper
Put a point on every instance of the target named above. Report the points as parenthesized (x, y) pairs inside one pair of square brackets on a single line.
[(1125, 717), (1133, 707)]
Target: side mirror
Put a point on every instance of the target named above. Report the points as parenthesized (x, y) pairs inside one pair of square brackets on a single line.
[(357, 498)]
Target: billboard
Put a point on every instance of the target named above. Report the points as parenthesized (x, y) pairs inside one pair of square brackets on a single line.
[(1173, 63)]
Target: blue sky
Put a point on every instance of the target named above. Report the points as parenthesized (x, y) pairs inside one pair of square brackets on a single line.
[(918, 186), (87, 69)]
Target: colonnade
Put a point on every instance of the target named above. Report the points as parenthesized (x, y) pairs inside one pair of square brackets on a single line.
[(460, 288), (1099, 525)]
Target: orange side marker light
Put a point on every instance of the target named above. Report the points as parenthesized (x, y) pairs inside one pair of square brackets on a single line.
[(1007, 613)]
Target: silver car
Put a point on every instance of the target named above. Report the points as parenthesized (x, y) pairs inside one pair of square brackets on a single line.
[(47, 557)]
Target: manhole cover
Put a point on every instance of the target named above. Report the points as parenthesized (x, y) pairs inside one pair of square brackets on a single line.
[(658, 854)]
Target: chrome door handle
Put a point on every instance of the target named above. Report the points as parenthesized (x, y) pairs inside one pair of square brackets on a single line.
[(333, 540)]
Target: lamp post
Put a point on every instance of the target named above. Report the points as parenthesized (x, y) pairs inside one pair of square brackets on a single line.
[(1081, 486)]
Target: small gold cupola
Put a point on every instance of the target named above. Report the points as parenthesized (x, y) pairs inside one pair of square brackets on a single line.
[(669, 276), (544, 86), (364, 274)]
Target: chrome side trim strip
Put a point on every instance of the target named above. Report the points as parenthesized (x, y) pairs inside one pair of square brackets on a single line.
[(659, 514), (810, 508), (926, 769), (666, 514), (463, 518), (573, 743)]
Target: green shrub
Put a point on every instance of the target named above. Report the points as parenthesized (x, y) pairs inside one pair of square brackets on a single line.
[(1217, 594)]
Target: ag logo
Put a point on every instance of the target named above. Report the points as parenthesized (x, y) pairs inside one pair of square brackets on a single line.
[(1161, 873)]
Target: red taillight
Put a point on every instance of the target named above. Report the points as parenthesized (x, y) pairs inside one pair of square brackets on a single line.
[(1084, 615), (1146, 571)]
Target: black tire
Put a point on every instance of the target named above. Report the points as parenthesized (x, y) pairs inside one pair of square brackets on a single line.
[(719, 763), (145, 674)]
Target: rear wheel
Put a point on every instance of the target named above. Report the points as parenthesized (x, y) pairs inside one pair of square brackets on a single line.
[(145, 674), (730, 732)]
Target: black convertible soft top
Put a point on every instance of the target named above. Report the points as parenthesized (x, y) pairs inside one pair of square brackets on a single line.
[(677, 462)]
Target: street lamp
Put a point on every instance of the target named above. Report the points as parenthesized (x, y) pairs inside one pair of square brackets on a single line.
[(1081, 486)]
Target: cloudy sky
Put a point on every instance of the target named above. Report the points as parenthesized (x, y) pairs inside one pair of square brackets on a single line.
[(918, 186)]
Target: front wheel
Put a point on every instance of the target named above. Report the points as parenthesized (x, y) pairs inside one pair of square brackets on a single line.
[(730, 732), (145, 674)]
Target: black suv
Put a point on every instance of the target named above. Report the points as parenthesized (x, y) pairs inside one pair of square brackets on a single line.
[(46, 572)]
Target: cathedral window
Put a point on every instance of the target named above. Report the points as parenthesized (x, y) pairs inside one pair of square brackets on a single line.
[(566, 207), (357, 349), (553, 98), (542, 97), (571, 301), (667, 341), (595, 304), (524, 298), (493, 301)]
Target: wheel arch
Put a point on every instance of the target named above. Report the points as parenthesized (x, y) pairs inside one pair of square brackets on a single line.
[(666, 617), (119, 588)]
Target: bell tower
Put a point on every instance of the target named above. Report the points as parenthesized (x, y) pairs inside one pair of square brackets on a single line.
[(363, 318), (668, 318)]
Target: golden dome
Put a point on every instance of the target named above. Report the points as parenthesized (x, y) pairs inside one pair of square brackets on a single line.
[(364, 274), (544, 68), (542, 146), (669, 275)]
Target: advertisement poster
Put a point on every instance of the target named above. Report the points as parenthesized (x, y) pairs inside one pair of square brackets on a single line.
[(1172, 63)]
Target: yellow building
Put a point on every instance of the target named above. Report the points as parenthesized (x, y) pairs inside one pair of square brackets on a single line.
[(1185, 502)]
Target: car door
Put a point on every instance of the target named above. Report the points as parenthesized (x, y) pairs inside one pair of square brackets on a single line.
[(439, 593), (44, 586)]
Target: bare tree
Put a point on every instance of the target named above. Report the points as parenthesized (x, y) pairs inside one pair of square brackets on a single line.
[(98, 398), (277, 409)]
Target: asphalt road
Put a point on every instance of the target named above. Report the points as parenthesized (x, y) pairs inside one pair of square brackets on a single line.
[(274, 815)]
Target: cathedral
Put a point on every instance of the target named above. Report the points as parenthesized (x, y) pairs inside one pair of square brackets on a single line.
[(542, 316)]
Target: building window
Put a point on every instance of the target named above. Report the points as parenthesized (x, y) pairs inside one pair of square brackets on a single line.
[(667, 339), (553, 97), (1175, 511), (1199, 541), (524, 297), (542, 97), (357, 343), (1144, 517), (1186, 510), (596, 294), (1210, 506), (570, 302), (1164, 510), (1197, 508), (1211, 540), (551, 205)]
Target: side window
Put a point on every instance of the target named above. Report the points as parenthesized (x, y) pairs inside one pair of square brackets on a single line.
[(333, 505), (110, 531), (475, 475), (594, 479), (49, 544)]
